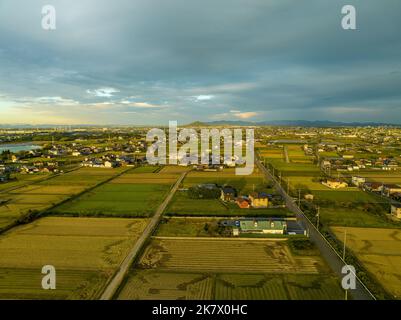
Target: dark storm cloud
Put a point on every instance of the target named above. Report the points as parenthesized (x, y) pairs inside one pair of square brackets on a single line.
[(199, 60)]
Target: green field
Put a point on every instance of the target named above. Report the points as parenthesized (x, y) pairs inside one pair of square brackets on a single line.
[(188, 227), (84, 251), (243, 184), (43, 195), (136, 193), (21, 179), (112, 199)]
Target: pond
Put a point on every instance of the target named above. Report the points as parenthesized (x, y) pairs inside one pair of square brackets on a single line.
[(17, 147)]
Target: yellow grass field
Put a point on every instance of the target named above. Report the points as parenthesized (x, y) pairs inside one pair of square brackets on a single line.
[(212, 269), (84, 251), (380, 251), (221, 255)]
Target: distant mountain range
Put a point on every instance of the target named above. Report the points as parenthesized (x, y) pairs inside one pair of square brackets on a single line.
[(292, 123), (284, 123)]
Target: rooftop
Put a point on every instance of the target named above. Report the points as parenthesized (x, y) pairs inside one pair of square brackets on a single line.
[(262, 224)]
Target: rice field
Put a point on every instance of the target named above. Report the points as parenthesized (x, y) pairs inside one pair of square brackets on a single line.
[(47, 193), (84, 251), (22, 179), (208, 269), (218, 255), (136, 193), (380, 252)]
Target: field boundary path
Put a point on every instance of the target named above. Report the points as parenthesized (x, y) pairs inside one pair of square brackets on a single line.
[(286, 157), (123, 269), (331, 256), (220, 239)]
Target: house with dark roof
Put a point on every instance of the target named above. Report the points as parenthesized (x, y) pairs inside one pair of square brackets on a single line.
[(228, 194)]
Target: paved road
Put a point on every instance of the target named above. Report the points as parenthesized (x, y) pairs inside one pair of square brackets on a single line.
[(330, 255), (126, 264)]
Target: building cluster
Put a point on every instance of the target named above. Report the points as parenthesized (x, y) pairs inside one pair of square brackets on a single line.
[(110, 161), (255, 199)]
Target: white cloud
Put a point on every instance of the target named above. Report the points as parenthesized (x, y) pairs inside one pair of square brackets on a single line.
[(103, 92), (143, 105), (204, 97), (55, 101)]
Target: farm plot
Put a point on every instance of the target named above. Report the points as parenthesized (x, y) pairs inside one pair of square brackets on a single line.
[(382, 176), (227, 177), (337, 216), (84, 251), (228, 269), (380, 252), (271, 153), (188, 227), (21, 179), (297, 155), (217, 255), (153, 284), (174, 169), (46, 194), (277, 287), (132, 194)]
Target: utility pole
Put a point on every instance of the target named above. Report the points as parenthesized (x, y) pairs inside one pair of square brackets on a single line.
[(288, 185), (299, 198), (318, 218), (345, 240)]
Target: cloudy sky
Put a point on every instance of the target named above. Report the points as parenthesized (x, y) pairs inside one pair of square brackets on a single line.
[(150, 61)]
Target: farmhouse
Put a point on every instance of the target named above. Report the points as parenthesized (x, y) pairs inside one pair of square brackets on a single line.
[(335, 184), (263, 226), (358, 181), (259, 199), (396, 210), (243, 203), (228, 194)]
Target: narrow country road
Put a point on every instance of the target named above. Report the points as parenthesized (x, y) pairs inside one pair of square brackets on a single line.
[(335, 262), (117, 279)]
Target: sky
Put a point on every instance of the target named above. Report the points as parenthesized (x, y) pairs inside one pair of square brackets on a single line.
[(134, 62)]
